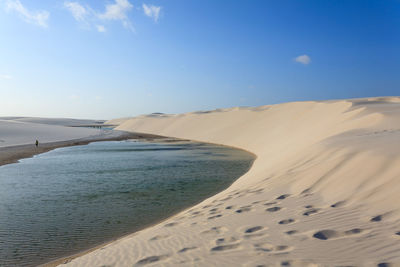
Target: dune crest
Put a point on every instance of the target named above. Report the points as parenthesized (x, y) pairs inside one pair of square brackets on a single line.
[(323, 190)]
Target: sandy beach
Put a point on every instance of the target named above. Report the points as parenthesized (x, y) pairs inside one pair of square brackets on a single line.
[(323, 191), (18, 135)]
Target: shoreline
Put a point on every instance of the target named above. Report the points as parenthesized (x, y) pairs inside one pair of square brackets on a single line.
[(12, 154), (167, 139)]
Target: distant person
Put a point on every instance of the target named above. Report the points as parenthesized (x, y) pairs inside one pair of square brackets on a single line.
[(37, 143)]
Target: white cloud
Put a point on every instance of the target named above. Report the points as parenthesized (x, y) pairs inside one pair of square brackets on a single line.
[(152, 11), (35, 17), (5, 77), (77, 10), (117, 11), (101, 28), (303, 59)]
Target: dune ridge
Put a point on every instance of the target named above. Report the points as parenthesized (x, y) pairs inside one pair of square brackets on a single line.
[(324, 189)]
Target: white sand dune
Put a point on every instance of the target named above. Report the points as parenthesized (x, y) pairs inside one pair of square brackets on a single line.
[(324, 190)]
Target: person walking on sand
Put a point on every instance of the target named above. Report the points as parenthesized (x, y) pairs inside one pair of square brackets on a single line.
[(37, 143)]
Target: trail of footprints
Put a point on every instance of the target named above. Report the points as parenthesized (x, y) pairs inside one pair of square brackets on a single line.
[(222, 244)]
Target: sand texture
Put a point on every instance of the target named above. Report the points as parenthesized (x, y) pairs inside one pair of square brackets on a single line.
[(323, 191)]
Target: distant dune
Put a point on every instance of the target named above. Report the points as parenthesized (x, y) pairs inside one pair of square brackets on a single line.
[(54, 121), (19, 134), (324, 189), (21, 131)]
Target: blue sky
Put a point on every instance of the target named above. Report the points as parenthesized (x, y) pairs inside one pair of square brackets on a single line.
[(116, 58)]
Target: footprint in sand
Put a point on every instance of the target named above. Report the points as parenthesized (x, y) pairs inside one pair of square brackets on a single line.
[(254, 232), (329, 234), (282, 248), (152, 259), (291, 232), (376, 218), (286, 263), (196, 214), (253, 229), (338, 204), (158, 237), (353, 231), (306, 192), (171, 224), (244, 209), (225, 247), (225, 199), (287, 221), (241, 193), (300, 263), (224, 240), (214, 217), (310, 212), (309, 206), (214, 230), (186, 249), (213, 211), (283, 196), (397, 233), (326, 234), (273, 209), (255, 235), (384, 264), (270, 203), (266, 247)]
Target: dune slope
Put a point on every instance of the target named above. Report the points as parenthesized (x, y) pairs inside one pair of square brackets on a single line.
[(324, 189)]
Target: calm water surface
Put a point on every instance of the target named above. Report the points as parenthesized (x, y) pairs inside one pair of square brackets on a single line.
[(71, 199)]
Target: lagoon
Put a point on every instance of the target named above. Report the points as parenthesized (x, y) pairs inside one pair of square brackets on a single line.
[(74, 198)]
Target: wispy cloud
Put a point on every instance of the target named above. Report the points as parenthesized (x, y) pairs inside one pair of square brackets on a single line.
[(118, 11), (5, 77), (78, 11), (152, 11), (39, 18), (91, 19), (303, 59), (101, 28)]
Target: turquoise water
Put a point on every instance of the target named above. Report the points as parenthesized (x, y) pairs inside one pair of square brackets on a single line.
[(70, 199)]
